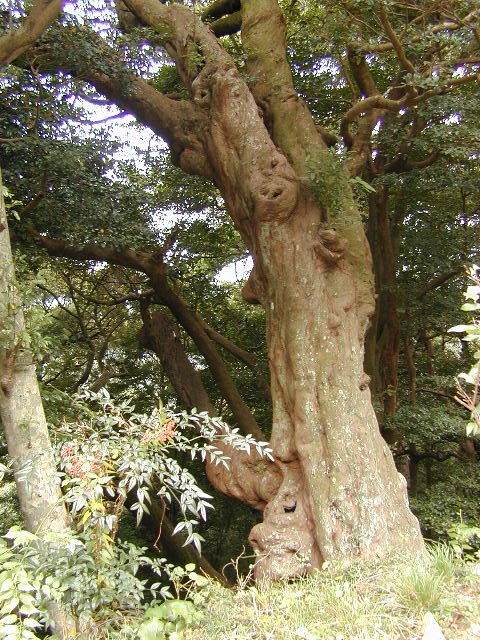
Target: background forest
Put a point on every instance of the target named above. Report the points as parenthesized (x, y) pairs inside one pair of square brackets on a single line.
[(122, 261)]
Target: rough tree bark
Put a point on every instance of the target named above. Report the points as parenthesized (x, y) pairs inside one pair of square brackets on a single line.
[(23, 419), (340, 495)]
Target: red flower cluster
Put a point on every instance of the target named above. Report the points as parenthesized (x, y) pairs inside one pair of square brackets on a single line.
[(78, 469), (160, 434), (67, 450), (79, 466)]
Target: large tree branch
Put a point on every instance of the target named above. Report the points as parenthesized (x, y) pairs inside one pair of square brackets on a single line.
[(219, 9), (176, 121), (255, 179), (287, 116), (63, 249), (227, 25), (153, 267), (17, 41), (223, 16)]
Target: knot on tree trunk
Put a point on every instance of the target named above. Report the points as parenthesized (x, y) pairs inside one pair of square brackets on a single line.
[(331, 247), (276, 190), (364, 381), (285, 541)]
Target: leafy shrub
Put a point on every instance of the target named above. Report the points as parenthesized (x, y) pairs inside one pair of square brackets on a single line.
[(468, 398), (108, 454)]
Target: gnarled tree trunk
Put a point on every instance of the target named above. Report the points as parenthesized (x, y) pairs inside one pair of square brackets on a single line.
[(340, 495)]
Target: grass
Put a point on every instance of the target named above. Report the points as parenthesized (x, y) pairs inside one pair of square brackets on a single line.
[(376, 602)]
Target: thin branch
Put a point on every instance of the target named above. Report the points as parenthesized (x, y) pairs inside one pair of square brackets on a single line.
[(12, 140), (436, 392), (35, 201), (249, 359), (137, 260), (397, 45), (143, 295), (449, 25), (58, 300), (438, 281)]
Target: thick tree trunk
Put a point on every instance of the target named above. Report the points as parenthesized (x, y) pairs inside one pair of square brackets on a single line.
[(23, 419), (341, 496)]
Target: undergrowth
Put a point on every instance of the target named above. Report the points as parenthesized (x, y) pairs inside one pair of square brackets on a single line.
[(376, 602)]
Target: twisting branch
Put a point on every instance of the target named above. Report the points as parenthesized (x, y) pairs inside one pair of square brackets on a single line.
[(17, 41), (152, 266), (401, 164), (372, 102), (397, 45)]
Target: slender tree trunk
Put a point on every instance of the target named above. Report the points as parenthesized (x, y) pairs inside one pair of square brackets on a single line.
[(23, 419), (413, 463), (387, 322)]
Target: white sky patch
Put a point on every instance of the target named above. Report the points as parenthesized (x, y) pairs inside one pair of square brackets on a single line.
[(235, 271)]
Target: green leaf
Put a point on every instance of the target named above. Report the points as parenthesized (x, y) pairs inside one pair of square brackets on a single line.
[(6, 585), (459, 328), (152, 630), (28, 609), (472, 429), (10, 619)]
